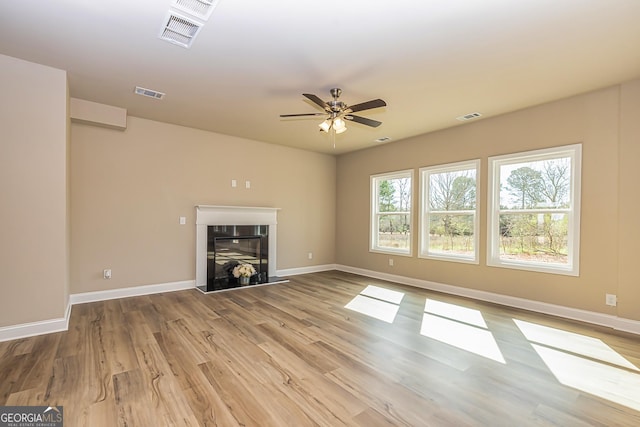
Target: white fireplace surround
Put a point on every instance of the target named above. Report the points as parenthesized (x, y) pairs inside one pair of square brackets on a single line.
[(232, 215)]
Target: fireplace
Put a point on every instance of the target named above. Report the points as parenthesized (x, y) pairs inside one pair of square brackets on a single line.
[(231, 245), (229, 235)]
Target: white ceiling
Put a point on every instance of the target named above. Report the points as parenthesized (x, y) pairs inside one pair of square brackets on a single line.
[(430, 60)]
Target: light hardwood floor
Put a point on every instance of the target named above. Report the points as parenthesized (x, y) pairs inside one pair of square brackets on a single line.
[(291, 354)]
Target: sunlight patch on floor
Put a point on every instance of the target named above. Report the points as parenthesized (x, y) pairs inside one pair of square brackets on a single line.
[(585, 363), (460, 327), (614, 384), (383, 294), (379, 303), (457, 312), (571, 342)]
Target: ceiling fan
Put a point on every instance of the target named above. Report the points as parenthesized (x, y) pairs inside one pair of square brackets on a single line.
[(337, 112)]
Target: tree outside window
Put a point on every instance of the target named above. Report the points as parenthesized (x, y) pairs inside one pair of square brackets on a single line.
[(534, 213), (391, 212), (449, 212)]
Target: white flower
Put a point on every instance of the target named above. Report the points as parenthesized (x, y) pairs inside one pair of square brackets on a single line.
[(243, 270)]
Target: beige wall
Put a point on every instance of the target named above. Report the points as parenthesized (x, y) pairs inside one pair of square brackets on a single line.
[(629, 211), (592, 119), (33, 182), (130, 187)]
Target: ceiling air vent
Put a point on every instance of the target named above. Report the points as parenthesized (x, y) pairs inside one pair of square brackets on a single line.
[(469, 116), (179, 30), (383, 139), (199, 8), (148, 92)]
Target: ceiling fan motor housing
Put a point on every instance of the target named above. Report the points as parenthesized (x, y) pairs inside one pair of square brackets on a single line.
[(335, 105)]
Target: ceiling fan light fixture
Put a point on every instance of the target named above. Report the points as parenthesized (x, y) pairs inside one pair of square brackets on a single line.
[(325, 126), (339, 125)]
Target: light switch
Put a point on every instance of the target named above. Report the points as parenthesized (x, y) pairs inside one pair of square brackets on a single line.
[(183, 220), (247, 184), (234, 183)]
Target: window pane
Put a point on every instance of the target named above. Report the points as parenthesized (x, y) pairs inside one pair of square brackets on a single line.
[(394, 231), (536, 185), (451, 234), (449, 211), (539, 238), (394, 195), (534, 210), (451, 191)]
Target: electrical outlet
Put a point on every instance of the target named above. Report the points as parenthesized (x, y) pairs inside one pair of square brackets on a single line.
[(391, 262), (106, 273), (310, 255), (611, 299)]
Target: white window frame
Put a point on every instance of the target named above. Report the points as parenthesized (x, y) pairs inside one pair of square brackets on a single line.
[(425, 212), (373, 222), (572, 268)]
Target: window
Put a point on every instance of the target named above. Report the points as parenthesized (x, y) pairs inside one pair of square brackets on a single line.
[(534, 210), (391, 212), (449, 214)]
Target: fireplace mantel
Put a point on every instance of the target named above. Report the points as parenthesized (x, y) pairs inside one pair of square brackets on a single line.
[(207, 215), (235, 215)]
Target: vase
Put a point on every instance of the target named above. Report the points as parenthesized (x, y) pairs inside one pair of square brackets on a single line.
[(244, 280)]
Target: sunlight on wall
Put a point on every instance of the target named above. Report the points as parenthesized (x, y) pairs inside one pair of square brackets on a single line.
[(584, 363), (376, 302), (460, 327)]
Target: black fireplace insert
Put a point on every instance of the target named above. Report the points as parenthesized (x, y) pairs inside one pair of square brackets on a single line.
[(231, 245)]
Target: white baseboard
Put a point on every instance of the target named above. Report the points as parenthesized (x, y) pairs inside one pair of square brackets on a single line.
[(133, 291), (614, 322), (31, 329), (306, 270), (25, 330)]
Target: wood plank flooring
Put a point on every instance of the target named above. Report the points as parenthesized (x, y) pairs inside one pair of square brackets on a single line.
[(291, 354)]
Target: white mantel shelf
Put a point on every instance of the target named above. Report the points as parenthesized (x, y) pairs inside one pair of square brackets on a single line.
[(232, 215), (235, 215)]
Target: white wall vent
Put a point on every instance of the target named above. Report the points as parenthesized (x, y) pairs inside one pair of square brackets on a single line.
[(469, 116), (179, 30), (148, 92), (201, 9)]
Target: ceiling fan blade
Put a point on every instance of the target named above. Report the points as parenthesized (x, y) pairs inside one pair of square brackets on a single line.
[(363, 120), (303, 114), (374, 103), (316, 100)]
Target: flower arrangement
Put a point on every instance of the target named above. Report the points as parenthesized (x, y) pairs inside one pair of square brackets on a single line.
[(243, 270)]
